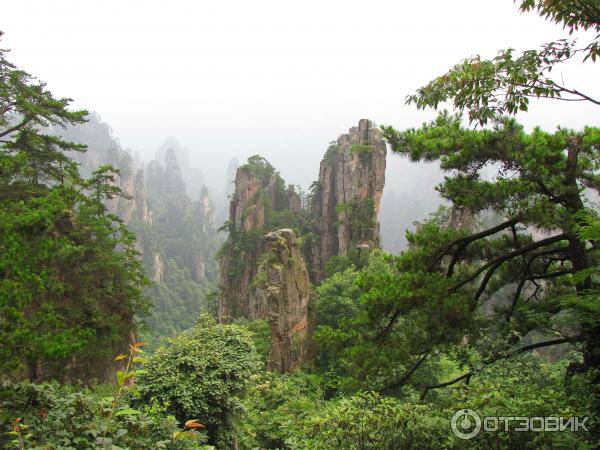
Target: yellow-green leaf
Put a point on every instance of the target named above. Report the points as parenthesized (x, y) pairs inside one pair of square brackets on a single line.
[(127, 411)]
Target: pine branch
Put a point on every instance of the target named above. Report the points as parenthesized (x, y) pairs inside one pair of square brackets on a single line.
[(467, 376)]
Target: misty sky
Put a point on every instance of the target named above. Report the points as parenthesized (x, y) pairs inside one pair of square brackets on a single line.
[(235, 78)]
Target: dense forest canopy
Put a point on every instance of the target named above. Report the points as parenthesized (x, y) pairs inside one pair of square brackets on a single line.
[(301, 332)]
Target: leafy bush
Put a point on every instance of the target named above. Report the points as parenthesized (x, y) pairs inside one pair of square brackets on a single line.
[(200, 374), (370, 421), (178, 300), (60, 417), (275, 406), (260, 168), (526, 386), (261, 336)]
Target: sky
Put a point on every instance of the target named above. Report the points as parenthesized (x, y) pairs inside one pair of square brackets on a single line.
[(278, 78)]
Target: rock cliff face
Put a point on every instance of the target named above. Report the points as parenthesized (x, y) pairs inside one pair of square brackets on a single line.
[(192, 177), (263, 271), (259, 195), (346, 199), (131, 181), (104, 149), (246, 211), (284, 289), (239, 260)]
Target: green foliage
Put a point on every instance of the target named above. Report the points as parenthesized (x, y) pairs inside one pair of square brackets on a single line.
[(70, 280), (369, 421), (459, 300), (355, 257), (260, 168), (525, 386), (261, 336), (337, 263), (360, 149), (522, 387), (504, 85), (200, 374), (285, 218), (336, 305), (178, 301), (502, 285), (359, 215), (275, 407), (344, 349), (54, 416), (572, 15), (337, 299)]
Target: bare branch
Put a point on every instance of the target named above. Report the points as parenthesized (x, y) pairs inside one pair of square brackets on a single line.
[(465, 241), (407, 375), (495, 263), (17, 127)]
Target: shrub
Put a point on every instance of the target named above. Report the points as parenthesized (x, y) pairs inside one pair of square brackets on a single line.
[(369, 421), (261, 336), (200, 375), (51, 416), (275, 407)]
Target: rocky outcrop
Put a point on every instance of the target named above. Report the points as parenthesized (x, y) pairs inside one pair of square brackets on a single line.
[(239, 255), (246, 212), (293, 199), (158, 267), (263, 272), (346, 197), (207, 209), (283, 287), (192, 177), (134, 204), (259, 203), (258, 189), (104, 149)]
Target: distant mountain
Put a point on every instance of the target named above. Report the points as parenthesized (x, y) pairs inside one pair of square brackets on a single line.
[(174, 222)]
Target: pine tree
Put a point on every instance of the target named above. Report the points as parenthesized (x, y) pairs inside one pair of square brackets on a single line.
[(70, 279)]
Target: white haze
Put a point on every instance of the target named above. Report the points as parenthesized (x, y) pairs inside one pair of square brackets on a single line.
[(283, 79)]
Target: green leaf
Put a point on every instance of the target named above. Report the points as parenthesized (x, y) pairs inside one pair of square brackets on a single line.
[(127, 411)]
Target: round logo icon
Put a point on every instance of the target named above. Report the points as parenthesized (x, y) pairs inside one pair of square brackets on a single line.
[(465, 423)]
